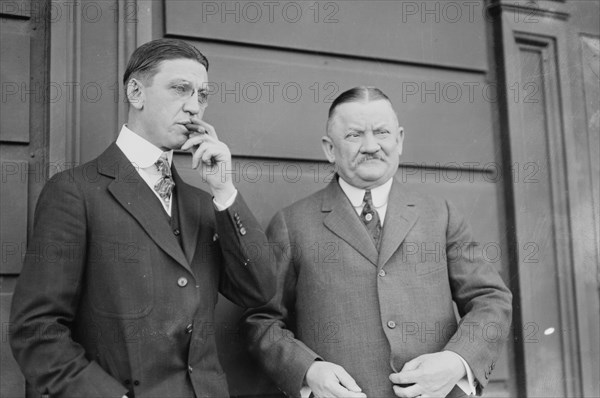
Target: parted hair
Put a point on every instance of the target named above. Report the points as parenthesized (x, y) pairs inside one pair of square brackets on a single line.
[(145, 60), (356, 94)]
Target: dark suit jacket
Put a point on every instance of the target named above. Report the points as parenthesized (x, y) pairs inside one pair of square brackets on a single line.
[(372, 312), (109, 302)]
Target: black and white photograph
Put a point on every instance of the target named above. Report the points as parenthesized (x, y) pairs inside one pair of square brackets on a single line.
[(300, 198)]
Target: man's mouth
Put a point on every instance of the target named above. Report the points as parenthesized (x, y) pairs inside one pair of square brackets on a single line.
[(184, 125), (369, 158)]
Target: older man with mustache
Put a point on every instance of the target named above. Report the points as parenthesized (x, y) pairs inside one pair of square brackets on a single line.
[(358, 311)]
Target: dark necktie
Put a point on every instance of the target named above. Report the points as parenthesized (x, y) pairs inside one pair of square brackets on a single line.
[(370, 218), (164, 186)]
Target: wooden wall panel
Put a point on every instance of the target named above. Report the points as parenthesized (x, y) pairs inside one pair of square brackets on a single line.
[(12, 382), (23, 139), (17, 89), (430, 32), (13, 228), (583, 153), (280, 102), (99, 83), (590, 63), (538, 221), (539, 131)]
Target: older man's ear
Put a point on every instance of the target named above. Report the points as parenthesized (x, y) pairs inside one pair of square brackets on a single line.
[(400, 139), (327, 146)]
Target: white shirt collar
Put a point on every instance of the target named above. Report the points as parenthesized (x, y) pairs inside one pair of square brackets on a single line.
[(379, 194), (140, 152)]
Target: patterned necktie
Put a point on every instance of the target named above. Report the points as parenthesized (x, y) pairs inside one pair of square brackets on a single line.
[(164, 186), (370, 218)]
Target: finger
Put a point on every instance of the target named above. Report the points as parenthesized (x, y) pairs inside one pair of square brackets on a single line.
[(195, 140), (346, 380), (209, 157), (198, 154), (196, 128), (405, 377), (339, 391), (209, 128), (408, 392), (192, 142)]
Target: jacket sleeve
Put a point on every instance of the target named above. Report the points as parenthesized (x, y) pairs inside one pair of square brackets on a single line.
[(46, 298), (268, 329), (247, 276), (483, 300)]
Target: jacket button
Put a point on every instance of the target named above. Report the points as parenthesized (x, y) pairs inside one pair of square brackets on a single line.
[(369, 217), (190, 369), (127, 382), (391, 324), (176, 232), (182, 282), (189, 328), (215, 237), (136, 382), (381, 273), (242, 231)]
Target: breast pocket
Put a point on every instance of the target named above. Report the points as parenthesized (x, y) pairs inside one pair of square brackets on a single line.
[(431, 274), (119, 278)]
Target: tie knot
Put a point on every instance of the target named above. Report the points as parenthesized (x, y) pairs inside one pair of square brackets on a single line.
[(162, 165), (368, 199)]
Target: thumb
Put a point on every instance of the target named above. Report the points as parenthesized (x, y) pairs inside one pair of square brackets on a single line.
[(346, 380), (412, 364)]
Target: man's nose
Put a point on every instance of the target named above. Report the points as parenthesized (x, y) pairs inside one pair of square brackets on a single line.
[(369, 143), (192, 105)]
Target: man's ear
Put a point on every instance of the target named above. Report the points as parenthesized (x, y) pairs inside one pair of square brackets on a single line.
[(400, 139), (135, 94), (327, 146)]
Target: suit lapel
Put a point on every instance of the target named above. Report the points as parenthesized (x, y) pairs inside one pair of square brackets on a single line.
[(189, 204), (343, 221), (132, 192), (399, 219)]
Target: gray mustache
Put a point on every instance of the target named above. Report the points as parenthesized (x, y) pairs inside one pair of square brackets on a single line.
[(365, 158)]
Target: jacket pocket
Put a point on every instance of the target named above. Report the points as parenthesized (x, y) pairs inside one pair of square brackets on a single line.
[(119, 279)]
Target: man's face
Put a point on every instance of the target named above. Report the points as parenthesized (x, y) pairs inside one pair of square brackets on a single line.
[(175, 94), (365, 142)]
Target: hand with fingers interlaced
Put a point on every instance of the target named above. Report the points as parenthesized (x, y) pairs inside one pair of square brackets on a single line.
[(212, 157)]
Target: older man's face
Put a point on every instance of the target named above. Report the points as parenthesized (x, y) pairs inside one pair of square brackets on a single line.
[(365, 142)]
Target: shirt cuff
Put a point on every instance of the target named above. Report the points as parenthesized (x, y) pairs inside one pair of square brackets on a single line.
[(228, 203), (467, 383)]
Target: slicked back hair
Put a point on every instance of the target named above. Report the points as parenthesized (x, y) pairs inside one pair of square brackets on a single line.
[(145, 60), (356, 94)]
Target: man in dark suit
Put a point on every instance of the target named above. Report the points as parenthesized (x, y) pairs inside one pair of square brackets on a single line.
[(123, 271), (367, 274)]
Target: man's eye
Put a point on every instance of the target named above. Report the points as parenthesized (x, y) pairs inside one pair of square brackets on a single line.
[(352, 134), (202, 97), (179, 89), (380, 132)]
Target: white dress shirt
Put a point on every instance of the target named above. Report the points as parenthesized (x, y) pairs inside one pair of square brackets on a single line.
[(380, 197), (143, 155)]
